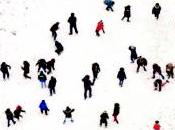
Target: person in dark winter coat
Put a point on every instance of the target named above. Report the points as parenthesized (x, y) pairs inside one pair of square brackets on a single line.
[(52, 84), (87, 86), (133, 53), (26, 69), (157, 68), (127, 13), (95, 70), (156, 125), (17, 112), (42, 78), (50, 65), (59, 47), (72, 21), (110, 4), (68, 114), (4, 69), (9, 116), (156, 10), (121, 76), (100, 26), (141, 61), (43, 107), (169, 70), (158, 84), (53, 29), (116, 112), (41, 64), (103, 118)]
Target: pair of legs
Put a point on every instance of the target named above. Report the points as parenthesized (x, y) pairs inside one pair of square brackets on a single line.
[(8, 121), (126, 17), (138, 67), (26, 75), (44, 111), (115, 119), (85, 93), (5, 74), (121, 83), (71, 29), (52, 91), (170, 74), (160, 73), (54, 35), (43, 84), (103, 122), (68, 118)]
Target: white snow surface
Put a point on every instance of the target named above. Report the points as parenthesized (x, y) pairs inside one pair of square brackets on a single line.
[(25, 35)]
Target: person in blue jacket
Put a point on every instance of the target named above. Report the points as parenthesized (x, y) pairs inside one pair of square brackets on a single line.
[(43, 107), (109, 4)]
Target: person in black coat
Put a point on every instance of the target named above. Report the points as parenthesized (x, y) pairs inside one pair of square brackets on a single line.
[(50, 65), (158, 84), (170, 70), (156, 10), (141, 61), (87, 86), (26, 69), (95, 70), (59, 47), (68, 114), (17, 112), (103, 119), (121, 76), (157, 69), (72, 21), (52, 84), (133, 53), (127, 13), (42, 78), (9, 116), (116, 112), (110, 4), (41, 64), (53, 29), (4, 69)]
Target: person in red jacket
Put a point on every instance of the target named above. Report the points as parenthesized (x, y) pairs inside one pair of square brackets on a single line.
[(99, 27), (156, 126)]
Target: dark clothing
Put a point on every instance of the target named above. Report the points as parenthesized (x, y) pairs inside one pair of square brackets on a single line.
[(104, 116), (50, 65), (156, 11), (133, 53), (43, 107), (127, 13), (4, 69), (9, 116), (42, 77), (17, 112), (121, 76), (72, 21), (87, 86), (109, 4), (116, 112), (53, 29), (68, 113), (95, 70), (41, 64), (141, 61), (169, 70), (52, 84), (157, 68), (26, 69), (59, 47), (158, 84)]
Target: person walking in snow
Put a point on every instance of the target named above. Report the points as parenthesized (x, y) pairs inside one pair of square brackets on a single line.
[(157, 69), (156, 126), (141, 61), (5, 70), (87, 86), (121, 76), (43, 107), (42, 78), (26, 69), (73, 23), (133, 53), (53, 30), (156, 10), (50, 65), (110, 4), (95, 70), (59, 47), (158, 84), (100, 26), (127, 13), (9, 116), (17, 112), (116, 112), (41, 64), (68, 114), (52, 84), (170, 70), (103, 119)]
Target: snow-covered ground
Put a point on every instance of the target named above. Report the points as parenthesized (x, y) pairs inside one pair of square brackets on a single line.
[(25, 35)]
